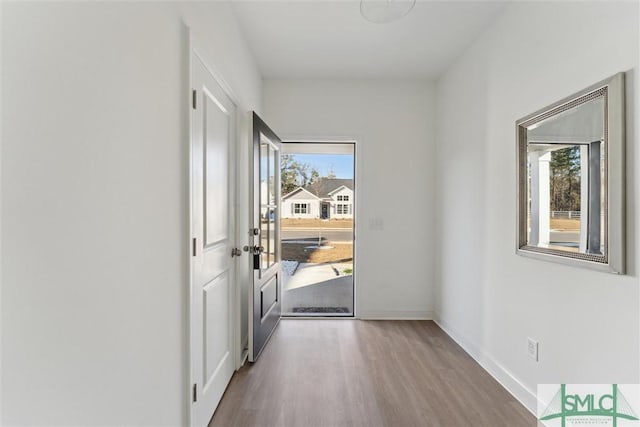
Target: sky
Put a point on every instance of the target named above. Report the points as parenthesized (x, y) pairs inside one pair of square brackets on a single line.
[(342, 164)]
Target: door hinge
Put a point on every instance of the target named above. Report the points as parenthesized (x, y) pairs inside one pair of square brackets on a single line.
[(194, 98), (195, 393), (193, 246)]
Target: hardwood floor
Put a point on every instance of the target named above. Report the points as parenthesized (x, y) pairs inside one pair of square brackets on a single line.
[(366, 373)]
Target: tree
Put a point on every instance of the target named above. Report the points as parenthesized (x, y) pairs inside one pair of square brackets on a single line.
[(294, 174), (565, 179)]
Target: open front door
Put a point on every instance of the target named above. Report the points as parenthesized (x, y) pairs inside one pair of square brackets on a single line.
[(265, 294)]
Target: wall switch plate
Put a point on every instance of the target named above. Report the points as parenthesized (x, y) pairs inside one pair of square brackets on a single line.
[(532, 349)]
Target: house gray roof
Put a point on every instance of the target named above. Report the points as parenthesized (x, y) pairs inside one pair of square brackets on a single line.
[(324, 186)]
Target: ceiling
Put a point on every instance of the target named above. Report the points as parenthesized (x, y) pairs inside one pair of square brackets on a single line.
[(330, 39)]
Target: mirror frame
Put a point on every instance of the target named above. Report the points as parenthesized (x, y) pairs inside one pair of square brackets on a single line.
[(613, 260)]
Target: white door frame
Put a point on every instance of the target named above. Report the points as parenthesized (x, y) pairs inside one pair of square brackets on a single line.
[(288, 138), (194, 48)]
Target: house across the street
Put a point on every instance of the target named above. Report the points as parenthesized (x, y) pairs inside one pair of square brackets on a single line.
[(326, 198)]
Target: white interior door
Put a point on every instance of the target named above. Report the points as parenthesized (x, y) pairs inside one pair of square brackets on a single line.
[(213, 133), (265, 295)]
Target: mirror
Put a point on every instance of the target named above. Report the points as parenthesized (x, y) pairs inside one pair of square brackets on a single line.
[(571, 179)]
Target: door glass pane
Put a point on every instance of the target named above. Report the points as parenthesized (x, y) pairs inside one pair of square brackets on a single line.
[(273, 187), (272, 178), (269, 181), (272, 242), (264, 202), (264, 242)]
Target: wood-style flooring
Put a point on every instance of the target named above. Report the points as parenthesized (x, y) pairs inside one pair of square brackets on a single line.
[(366, 373)]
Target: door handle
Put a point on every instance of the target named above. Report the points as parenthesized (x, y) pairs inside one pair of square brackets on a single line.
[(255, 249), (235, 252)]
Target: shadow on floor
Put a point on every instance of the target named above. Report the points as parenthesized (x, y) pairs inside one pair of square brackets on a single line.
[(336, 292)]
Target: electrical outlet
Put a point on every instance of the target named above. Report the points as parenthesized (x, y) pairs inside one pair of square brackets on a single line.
[(532, 349)]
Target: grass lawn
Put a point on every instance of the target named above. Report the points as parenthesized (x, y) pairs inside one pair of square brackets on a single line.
[(316, 223), (341, 252)]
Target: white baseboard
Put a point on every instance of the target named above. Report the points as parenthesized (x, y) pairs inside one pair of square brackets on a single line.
[(508, 380), (395, 315)]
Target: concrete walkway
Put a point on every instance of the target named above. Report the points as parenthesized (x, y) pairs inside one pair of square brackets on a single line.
[(308, 274), (317, 285)]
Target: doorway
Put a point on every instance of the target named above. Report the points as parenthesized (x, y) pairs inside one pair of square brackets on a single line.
[(325, 211), (317, 228)]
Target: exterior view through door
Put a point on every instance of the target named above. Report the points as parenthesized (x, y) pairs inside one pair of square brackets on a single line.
[(318, 200)]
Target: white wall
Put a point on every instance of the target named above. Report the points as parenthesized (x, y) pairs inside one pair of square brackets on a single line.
[(94, 205), (393, 122), (587, 323)]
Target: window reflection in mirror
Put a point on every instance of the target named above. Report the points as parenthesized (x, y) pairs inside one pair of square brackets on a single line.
[(559, 197), (566, 166)]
